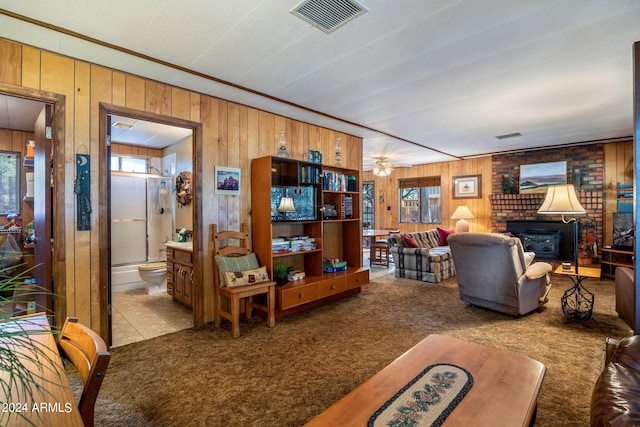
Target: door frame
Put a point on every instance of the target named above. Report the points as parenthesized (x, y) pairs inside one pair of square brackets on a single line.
[(57, 102), (104, 209)]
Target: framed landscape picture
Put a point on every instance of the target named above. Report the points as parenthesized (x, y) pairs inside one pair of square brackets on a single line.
[(538, 177), (467, 187), (227, 181)]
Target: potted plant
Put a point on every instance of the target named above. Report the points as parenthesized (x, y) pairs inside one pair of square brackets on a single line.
[(15, 280), (280, 273)]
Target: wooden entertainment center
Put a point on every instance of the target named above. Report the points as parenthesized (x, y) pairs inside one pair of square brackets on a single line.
[(312, 187)]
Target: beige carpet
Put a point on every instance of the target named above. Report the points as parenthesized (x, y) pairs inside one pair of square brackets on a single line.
[(286, 375)]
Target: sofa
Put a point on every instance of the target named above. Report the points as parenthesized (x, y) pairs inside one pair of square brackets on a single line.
[(430, 261), (625, 286), (494, 272), (615, 400)]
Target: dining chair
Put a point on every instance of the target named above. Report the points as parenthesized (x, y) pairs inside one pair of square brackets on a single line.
[(87, 351)]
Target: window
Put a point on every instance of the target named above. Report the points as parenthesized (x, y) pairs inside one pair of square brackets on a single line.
[(367, 205), (129, 164), (9, 183), (420, 200)]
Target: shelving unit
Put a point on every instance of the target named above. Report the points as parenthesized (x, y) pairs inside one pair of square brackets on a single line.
[(612, 258), (625, 198), (312, 186)]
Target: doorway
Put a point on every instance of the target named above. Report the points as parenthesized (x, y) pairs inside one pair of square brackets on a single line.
[(35, 118), (145, 153)]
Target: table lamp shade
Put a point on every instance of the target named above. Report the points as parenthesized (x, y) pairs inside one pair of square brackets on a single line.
[(462, 213), (286, 205), (560, 200)]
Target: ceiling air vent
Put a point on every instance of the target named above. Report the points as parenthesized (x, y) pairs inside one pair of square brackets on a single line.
[(509, 135), (328, 15)]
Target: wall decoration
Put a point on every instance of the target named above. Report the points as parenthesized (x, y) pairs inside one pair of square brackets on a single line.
[(228, 181), (623, 235), (184, 188), (82, 188), (314, 156), (467, 187), (537, 177)]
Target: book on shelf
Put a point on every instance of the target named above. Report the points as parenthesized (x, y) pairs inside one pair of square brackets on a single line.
[(331, 265), (280, 246), (295, 275)]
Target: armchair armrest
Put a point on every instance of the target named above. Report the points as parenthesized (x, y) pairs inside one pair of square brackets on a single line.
[(538, 270)]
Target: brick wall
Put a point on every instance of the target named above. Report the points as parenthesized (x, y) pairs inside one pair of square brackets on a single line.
[(585, 166)]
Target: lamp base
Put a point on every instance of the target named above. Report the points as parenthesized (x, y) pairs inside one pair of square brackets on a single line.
[(462, 226)]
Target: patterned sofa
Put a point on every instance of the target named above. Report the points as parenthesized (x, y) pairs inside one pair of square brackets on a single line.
[(431, 262)]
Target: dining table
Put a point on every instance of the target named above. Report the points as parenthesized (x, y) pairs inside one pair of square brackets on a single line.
[(372, 235), (34, 387)]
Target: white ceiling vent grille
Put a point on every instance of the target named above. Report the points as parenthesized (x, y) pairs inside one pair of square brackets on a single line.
[(328, 15)]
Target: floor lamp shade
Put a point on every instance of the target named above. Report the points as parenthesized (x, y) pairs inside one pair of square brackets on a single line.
[(561, 200), (462, 213)]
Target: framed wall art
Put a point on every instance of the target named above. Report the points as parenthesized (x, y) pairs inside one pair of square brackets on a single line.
[(467, 187), (228, 181), (538, 177)]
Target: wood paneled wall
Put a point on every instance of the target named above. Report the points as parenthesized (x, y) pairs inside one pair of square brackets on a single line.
[(387, 213), (618, 168), (232, 135)]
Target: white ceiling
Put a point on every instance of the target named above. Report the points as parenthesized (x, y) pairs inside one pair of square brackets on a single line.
[(420, 80)]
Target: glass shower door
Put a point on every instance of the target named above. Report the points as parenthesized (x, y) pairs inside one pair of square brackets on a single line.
[(128, 220)]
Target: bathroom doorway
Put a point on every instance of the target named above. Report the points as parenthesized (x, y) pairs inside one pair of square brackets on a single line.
[(145, 156)]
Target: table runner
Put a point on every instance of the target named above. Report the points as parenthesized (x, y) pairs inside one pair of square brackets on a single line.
[(426, 400)]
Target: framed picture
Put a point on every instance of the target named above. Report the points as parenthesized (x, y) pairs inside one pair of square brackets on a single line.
[(538, 177), (467, 187), (228, 181)]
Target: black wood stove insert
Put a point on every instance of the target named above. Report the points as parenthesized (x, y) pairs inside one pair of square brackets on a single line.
[(551, 240)]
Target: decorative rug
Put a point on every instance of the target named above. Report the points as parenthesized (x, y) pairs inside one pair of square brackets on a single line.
[(426, 400)]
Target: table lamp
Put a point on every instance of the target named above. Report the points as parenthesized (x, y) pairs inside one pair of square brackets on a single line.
[(286, 205), (562, 200), (462, 213)]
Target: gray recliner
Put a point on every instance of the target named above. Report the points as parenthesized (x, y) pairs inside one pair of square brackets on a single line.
[(494, 272)]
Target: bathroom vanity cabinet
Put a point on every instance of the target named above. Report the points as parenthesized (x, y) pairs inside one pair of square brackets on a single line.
[(180, 275)]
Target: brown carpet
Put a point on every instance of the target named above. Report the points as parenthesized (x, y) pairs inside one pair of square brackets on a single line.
[(286, 375)]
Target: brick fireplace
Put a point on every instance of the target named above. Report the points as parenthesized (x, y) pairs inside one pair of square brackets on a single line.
[(522, 209), (584, 165)]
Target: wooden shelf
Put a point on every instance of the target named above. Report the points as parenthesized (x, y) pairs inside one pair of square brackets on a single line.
[(336, 238), (612, 258)]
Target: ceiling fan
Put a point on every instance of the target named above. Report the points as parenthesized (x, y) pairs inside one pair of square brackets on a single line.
[(384, 167)]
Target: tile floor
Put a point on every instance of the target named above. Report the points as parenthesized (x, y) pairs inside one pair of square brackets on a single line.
[(137, 316)]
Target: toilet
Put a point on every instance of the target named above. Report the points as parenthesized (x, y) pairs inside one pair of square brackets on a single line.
[(155, 276)]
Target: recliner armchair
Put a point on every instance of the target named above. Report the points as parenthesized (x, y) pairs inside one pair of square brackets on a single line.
[(494, 272)]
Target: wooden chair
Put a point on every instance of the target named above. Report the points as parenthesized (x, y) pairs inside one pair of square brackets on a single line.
[(380, 250), (88, 353), (235, 294)]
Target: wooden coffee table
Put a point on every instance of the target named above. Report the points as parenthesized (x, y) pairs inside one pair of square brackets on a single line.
[(504, 392)]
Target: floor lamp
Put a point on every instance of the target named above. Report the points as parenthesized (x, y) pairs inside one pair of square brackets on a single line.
[(577, 302), (562, 200)]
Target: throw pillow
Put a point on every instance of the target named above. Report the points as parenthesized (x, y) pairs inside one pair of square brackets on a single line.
[(235, 263), (247, 277), (443, 234), (408, 241)]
